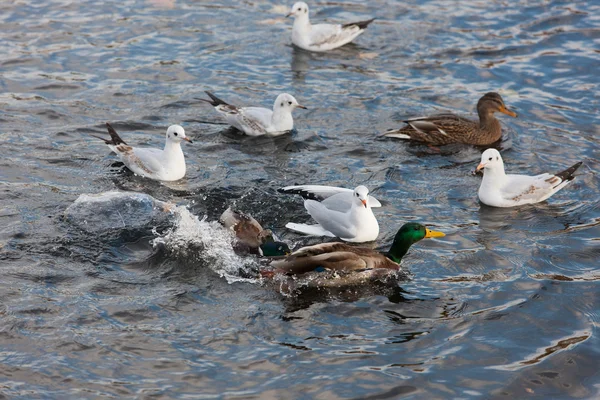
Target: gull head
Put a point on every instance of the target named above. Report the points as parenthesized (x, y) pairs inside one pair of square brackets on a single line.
[(176, 134), (286, 102), (361, 194), (298, 9), (490, 159)]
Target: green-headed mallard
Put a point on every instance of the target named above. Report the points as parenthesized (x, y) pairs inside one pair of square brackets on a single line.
[(448, 128), (251, 237), (341, 257)]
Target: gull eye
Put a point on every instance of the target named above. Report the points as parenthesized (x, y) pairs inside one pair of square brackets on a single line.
[(491, 158), (497, 158), (356, 194), (299, 9), (290, 103), (281, 104), (175, 133)]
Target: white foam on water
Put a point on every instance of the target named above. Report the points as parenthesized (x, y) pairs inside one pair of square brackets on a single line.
[(207, 242)]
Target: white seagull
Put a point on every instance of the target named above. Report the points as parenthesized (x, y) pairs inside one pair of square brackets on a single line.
[(161, 165), (501, 190), (339, 212), (258, 121), (322, 37)]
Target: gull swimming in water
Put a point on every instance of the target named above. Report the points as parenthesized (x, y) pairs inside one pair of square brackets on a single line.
[(258, 121), (161, 165), (322, 37), (499, 189), (339, 212)]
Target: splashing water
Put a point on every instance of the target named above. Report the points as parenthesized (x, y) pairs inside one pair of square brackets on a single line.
[(208, 243)]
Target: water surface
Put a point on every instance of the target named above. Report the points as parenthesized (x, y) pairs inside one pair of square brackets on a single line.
[(506, 306)]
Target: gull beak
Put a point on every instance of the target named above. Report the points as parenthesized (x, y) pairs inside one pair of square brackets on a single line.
[(289, 15), (480, 166), (364, 203), (301, 106), (433, 234), (506, 111), (187, 139)]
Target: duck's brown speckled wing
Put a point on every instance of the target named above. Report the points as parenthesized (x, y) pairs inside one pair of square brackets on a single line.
[(246, 228), (441, 129), (332, 256)]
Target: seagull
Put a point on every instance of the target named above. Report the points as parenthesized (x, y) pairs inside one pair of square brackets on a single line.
[(161, 165), (322, 37), (501, 190), (258, 121), (339, 212)]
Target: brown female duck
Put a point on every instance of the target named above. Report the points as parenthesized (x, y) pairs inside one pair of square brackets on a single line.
[(448, 128), (251, 237)]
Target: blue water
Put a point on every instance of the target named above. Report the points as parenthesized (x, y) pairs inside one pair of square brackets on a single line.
[(505, 306)]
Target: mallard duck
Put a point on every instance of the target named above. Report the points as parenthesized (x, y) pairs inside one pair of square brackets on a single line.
[(501, 190), (251, 237), (161, 165), (448, 128), (341, 257)]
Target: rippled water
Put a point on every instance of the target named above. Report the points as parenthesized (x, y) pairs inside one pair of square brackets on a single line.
[(506, 306)]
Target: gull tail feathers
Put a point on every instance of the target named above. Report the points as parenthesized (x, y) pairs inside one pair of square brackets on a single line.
[(313, 230)]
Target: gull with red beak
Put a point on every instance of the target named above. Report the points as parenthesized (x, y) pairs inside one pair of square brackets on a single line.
[(339, 212), (499, 189)]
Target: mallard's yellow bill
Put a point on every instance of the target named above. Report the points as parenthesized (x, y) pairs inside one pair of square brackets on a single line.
[(433, 234)]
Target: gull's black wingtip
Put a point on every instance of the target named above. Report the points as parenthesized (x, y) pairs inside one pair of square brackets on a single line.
[(104, 140), (360, 24), (307, 195), (567, 174), (115, 139), (214, 100)]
